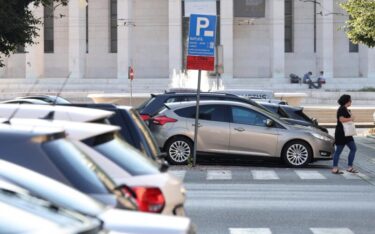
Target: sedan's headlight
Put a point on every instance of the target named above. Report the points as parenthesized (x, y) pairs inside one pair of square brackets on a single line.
[(320, 137)]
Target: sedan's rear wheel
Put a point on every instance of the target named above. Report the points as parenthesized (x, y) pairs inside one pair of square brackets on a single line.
[(179, 150), (297, 154)]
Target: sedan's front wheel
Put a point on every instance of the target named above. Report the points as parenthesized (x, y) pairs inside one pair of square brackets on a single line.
[(179, 150), (297, 154)]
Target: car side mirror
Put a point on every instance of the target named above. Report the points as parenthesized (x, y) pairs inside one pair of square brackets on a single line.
[(270, 123), (315, 121), (164, 165)]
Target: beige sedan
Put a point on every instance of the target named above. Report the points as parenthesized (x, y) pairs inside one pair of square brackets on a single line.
[(227, 127)]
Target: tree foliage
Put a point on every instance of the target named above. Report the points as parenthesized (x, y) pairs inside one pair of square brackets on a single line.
[(18, 26), (360, 27)]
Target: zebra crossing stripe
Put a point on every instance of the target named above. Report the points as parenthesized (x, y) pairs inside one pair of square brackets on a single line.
[(179, 174), (264, 175), (250, 231), (350, 176), (219, 175), (310, 175), (331, 231)]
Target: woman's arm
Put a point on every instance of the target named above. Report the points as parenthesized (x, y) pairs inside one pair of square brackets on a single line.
[(344, 120)]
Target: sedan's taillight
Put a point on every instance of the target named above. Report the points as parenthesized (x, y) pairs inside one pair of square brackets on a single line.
[(145, 117), (161, 120), (149, 199)]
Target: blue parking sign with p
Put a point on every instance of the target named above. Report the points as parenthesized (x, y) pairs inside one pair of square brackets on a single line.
[(202, 35)]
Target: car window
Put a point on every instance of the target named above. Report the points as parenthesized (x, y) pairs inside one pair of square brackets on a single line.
[(246, 116), (125, 156), (207, 112), (172, 99), (81, 171), (149, 138), (144, 104)]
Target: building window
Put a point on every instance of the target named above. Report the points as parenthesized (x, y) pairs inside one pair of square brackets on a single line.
[(353, 48), (249, 8), (113, 26), (186, 21), (48, 29), (289, 26)]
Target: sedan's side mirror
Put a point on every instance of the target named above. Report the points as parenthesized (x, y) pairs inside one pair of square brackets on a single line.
[(315, 121), (270, 123)]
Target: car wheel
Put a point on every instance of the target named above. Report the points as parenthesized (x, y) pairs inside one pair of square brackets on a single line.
[(179, 150), (297, 154)]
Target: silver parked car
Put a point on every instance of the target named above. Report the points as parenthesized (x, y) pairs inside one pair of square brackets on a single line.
[(227, 127)]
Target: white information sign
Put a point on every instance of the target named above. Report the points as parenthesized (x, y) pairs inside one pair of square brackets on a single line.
[(203, 7)]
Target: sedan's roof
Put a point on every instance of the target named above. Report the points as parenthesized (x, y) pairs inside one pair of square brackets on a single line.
[(74, 130), (40, 133), (60, 112)]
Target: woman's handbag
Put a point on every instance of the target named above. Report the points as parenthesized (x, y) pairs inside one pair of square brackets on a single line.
[(349, 128)]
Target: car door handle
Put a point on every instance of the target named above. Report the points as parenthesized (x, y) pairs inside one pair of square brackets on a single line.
[(239, 129), (199, 125)]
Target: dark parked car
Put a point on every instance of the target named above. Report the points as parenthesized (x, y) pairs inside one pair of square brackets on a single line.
[(121, 221), (47, 151), (133, 129), (292, 115)]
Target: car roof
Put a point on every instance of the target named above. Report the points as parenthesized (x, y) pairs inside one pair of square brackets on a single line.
[(27, 132), (60, 112), (178, 105), (74, 130), (25, 100)]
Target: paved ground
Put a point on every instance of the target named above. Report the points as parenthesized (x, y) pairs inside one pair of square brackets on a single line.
[(266, 197)]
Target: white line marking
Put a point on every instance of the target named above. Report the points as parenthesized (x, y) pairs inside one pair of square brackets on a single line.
[(250, 231), (310, 175), (264, 175), (350, 176), (179, 174), (331, 231), (219, 175)]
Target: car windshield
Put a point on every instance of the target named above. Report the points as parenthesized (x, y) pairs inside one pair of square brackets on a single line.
[(78, 168), (124, 155)]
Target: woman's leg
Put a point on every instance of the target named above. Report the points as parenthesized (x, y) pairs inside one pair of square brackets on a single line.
[(336, 155), (353, 149)]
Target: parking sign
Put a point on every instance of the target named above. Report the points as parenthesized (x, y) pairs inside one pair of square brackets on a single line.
[(201, 48)]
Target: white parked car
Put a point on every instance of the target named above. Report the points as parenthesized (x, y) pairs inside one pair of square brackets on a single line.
[(155, 191), (119, 221)]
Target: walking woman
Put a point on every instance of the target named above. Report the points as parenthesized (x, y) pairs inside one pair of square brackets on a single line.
[(344, 115)]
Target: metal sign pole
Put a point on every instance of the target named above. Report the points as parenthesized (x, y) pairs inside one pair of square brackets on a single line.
[(196, 125)]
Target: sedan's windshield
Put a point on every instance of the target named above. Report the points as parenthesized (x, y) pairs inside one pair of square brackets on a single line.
[(78, 168), (124, 155)]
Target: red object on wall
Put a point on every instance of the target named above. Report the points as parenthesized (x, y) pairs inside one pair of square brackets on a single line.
[(130, 73), (200, 63)]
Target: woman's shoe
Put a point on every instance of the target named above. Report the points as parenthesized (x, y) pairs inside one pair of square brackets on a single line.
[(352, 170)]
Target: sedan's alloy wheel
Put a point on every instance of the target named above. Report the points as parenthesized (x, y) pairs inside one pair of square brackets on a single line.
[(179, 151), (297, 154)]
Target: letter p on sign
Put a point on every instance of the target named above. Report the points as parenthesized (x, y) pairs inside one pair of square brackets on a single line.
[(203, 23)]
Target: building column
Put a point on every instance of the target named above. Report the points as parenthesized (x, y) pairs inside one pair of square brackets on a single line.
[(124, 32), (371, 63), (35, 53), (226, 35), (277, 12), (175, 36), (327, 38), (77, 38)]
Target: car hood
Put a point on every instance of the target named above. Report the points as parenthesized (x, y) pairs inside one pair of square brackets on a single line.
[(309, 129), (144, 223), (297, 122)]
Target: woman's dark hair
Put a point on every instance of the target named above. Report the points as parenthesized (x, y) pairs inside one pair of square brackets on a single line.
[(344, 99)]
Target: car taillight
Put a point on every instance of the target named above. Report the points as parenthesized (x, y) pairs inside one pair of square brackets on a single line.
[(149, 199), (145, 117), (161, 120)]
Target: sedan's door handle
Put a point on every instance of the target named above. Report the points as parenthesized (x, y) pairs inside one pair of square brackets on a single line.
[(199, 125), (239, 129)]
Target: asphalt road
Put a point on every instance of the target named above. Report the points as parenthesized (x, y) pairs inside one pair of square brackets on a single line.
[(266, 197)]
